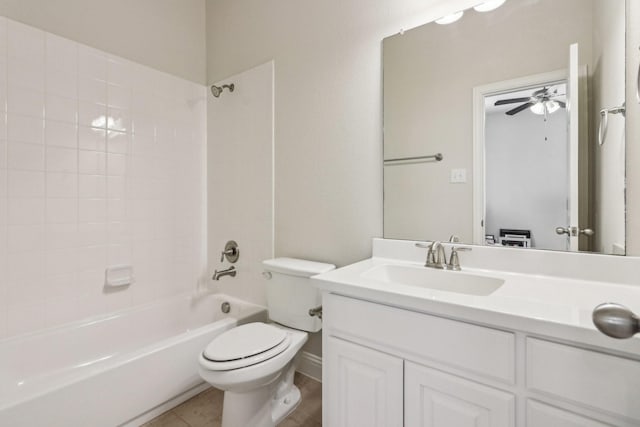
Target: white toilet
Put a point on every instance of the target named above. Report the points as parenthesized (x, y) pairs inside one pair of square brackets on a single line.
[(254, 363)]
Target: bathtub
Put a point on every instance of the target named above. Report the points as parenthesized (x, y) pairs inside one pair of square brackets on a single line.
[(120, 369)]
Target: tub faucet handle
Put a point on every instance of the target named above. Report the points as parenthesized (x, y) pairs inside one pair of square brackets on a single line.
[(231, 251)]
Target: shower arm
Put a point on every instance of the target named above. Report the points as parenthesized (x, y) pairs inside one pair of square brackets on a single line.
[(217, 90)]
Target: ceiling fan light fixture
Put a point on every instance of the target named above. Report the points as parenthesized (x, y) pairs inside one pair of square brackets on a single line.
[(552, 106), (488, 6), (450, 19), (538, 108)]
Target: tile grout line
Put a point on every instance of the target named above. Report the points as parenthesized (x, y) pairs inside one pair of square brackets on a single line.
[(178, 416)]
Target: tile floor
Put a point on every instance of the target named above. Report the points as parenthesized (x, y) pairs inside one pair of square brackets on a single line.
[(205, 409)]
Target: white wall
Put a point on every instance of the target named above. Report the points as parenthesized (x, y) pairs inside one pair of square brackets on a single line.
[(633, 128), (168, 35), (240, 180), (328, 128), (527, 184), (609, 91), (80, 192)]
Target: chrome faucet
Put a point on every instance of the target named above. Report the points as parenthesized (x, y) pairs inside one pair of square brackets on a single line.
[(231, 271), (436, 257)]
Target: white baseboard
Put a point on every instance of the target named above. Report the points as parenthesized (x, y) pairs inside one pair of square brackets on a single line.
[(310, 365)]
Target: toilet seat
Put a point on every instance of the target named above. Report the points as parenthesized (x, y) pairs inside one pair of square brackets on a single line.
[(244, 346)]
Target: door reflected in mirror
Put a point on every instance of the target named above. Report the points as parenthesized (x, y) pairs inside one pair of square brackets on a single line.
[(526, 155), (515, 111)]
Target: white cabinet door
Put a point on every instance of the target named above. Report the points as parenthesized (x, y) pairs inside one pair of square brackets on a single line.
[(436, 399), (363, 387), (541, 415)]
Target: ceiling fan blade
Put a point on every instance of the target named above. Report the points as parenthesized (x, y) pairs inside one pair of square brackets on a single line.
[(520, 108), (511, 101), (540, 92), (562, 104)]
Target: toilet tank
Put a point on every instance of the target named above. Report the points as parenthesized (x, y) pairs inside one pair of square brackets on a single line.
[(290, 292)]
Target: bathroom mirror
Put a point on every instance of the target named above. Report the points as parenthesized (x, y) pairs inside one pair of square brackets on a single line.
[(506, 127)]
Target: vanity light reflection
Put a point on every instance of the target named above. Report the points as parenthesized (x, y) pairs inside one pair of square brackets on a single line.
[(109, 123), (487, 6), (450, 19)]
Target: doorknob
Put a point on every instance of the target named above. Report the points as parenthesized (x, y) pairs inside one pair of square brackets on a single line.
[(587, 232), (573, 231), (616, 321)]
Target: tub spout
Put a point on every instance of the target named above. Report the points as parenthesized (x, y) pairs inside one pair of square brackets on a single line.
[(231, 271)]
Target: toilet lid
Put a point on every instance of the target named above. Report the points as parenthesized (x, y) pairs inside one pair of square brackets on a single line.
[(244, 342)]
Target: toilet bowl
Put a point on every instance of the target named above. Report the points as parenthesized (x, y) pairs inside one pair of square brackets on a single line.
[(254, 364)]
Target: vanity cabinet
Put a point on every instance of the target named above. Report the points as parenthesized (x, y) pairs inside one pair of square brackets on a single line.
[(365, 386), (378, 384), (389, 366), (369, 388)]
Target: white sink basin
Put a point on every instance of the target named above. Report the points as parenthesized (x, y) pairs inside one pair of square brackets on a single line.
[(440, 280)]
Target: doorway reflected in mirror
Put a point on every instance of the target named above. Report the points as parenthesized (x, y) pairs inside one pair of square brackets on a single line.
[(526, 163)]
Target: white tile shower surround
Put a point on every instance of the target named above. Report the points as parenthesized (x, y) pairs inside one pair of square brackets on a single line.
[(101, 163)]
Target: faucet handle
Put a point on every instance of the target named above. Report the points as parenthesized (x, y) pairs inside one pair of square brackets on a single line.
[(454, 239), (231, 252), (423, 245), (454, 260)]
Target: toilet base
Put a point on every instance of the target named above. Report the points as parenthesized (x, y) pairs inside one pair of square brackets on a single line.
[(284, 406), (265, 406), (256, 409)]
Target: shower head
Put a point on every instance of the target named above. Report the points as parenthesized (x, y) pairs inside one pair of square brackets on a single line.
[(217, 90)]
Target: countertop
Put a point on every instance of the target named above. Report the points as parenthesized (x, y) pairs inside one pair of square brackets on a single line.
[(546, 306)]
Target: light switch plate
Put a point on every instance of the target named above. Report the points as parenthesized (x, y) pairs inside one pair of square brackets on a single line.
[(458, 176)]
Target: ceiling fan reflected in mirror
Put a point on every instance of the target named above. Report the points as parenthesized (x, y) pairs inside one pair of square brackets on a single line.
[(542, 102)]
